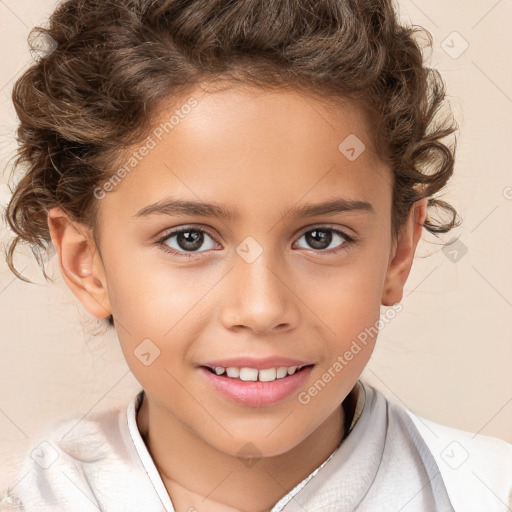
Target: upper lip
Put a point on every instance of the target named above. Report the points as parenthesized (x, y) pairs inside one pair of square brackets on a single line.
[(259, 364)]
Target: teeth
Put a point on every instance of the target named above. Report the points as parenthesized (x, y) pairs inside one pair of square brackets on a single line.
[(248, 374), (267, 375), (232, 372), (253, 374), (282, 371)]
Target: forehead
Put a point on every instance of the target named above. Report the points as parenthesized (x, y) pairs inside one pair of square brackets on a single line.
[(239, 110), (258, 147)]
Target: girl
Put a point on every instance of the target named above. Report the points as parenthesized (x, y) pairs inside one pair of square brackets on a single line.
[(238, 187)]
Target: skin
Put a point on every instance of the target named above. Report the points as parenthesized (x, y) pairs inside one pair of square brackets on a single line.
[(259, 152)]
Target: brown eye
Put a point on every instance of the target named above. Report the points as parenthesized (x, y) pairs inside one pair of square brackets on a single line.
[(190, 240), (187, 240), (325, 239)]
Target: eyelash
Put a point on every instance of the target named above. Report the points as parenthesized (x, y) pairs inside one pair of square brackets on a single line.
[(350, 241)]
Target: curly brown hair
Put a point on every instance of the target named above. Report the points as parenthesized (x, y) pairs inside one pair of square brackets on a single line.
[(82, 105)]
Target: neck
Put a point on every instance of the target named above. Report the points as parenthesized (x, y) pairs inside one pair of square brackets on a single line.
[(195, 473)]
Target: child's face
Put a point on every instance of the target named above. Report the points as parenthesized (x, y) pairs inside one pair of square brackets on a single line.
[(257, 285)]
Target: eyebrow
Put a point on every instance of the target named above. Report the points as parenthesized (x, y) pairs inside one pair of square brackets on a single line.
[(172, 206)]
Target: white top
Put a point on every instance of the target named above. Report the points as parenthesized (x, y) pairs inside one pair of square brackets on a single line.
[(390, 461)]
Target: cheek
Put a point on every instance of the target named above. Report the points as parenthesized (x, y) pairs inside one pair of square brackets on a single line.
[(349, 308), (349, 299), (146, 293)]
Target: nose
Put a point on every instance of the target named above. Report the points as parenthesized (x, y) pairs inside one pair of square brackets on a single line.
[(259, 297)]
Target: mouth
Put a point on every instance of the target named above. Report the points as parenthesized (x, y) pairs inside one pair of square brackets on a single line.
[(248, 374), (256, 387)]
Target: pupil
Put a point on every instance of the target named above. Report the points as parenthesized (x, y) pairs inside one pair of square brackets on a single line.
[(195, 238), (319, 239)]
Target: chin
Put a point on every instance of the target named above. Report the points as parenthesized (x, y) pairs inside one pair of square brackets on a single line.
[(255, 445)]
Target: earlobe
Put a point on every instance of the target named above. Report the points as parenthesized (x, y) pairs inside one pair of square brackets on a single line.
[(405, 247), (80, 263)]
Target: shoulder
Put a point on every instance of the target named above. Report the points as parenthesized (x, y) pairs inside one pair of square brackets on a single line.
[(476, 469), (60, 470)]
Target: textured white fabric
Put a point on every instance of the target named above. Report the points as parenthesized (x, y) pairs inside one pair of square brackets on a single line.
[(391, 461), (476, 469)]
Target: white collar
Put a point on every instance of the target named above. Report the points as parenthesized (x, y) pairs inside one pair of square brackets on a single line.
[(359, 391)]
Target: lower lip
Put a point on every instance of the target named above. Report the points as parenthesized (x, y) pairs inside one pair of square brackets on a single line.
[(255, 393)]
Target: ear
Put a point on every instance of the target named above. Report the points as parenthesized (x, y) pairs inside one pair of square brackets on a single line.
[(403, 253), (80, 262)]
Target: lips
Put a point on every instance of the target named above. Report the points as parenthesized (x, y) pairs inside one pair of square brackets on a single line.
[(256, 382)]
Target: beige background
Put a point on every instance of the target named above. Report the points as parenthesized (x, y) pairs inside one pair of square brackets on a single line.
[(447, 356)]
